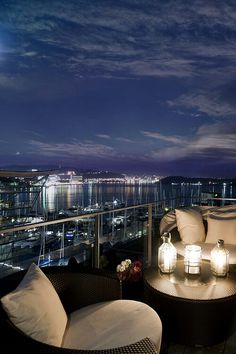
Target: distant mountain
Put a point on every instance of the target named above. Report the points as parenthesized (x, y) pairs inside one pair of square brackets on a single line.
[(87, 173), (44, 168), (28, 167), (102, 174), (203, 180)]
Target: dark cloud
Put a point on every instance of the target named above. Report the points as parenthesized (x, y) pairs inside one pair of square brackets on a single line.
[(152, 39)]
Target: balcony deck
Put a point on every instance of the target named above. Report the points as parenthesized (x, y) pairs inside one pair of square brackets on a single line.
[(226, 347)]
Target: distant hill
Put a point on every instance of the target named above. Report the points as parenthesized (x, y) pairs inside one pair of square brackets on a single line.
[(87, 173), (181, 179), (44, 168), (29, 167), (102, 174)]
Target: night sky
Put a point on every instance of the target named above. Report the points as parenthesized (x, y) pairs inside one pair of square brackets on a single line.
[(136, 86)]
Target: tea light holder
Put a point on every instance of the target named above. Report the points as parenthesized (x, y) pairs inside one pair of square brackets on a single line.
[(192, 259)]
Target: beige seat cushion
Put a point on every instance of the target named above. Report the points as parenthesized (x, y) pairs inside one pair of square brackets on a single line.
[(112, 324), (35, 308)]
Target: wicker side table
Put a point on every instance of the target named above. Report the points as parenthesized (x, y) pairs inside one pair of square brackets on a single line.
[(194, 309)]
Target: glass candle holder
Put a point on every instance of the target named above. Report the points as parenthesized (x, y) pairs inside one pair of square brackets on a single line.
[(192, 259), (167, 255), (220, 259)]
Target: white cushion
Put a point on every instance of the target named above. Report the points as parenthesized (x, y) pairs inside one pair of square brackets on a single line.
[(190, 225), (35, 308), (168, 222), (206, 250), (112, 324), (221, 227)]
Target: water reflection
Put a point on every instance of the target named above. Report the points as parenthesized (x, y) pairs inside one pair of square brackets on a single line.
[(55, 198)]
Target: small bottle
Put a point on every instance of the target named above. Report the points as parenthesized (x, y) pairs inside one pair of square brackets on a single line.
[(167, 254), (220, 259)]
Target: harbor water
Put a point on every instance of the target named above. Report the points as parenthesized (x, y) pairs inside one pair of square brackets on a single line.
[(55, 198)]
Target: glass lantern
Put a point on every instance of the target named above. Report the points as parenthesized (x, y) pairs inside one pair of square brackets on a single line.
[(220, 259), (167, 254), (192, 259)]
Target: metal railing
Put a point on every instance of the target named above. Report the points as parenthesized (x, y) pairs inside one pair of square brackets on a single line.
[(15, 252), (85, 236)]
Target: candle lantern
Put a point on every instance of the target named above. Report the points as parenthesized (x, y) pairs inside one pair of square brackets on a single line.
[(167, 254), (220, 259), (192, 259)]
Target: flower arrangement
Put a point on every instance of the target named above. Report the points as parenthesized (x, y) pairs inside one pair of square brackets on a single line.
[(128, 270)]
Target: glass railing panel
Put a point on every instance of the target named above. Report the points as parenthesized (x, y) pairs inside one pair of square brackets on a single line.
[(100, 239), (51, 244), (122, 236)]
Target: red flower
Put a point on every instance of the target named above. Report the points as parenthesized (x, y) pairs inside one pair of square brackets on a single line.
[(132, 272), (137, 264)]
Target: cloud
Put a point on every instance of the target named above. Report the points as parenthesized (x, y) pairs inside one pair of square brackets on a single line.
[(10, 82), (155, 39), (34, 133), (74, 149), (29, 54), (212, 104), (172, 139), (33, 87), (211, 141), (103, 136), (125, 140)]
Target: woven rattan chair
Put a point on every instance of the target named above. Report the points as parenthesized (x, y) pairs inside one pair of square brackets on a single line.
[(76, 289)]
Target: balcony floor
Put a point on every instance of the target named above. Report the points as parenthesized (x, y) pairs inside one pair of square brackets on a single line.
[(226, 347)]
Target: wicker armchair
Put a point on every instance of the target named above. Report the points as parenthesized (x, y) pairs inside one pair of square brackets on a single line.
[(76, 289)]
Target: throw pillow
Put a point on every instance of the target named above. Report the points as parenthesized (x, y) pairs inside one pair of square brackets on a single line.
[(221, 227), (35, 308), (190, 225)]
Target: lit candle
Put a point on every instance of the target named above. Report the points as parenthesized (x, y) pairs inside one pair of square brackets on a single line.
[(192, 259), (220, 259), (167, 255)]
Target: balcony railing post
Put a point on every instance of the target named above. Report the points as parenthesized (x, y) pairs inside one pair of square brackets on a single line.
[(96, 241), (149, 237), (62, 249)]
